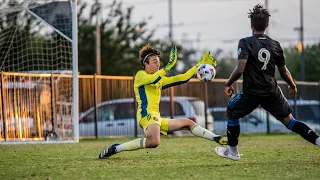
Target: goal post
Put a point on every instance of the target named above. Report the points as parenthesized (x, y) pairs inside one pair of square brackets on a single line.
[(39, 71), (75, 70)]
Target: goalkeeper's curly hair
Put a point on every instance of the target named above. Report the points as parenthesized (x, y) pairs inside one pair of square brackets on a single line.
[(259, 17), (146, 52)]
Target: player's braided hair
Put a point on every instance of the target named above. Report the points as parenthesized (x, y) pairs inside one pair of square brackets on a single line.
[(146, 52), (259, 17)]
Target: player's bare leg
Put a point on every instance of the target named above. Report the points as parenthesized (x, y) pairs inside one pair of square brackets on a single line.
[(151, 140), (187, 124)]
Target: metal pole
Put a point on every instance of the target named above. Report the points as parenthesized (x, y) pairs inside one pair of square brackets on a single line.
[(75, 80), (171, 103), (38, 114), (296, 114), (53, 103), (95, 99), (16, 134), (319, 94), (206, 104), (171, 41), (135, 112), (268, 123), (266, 4), (4, 117)]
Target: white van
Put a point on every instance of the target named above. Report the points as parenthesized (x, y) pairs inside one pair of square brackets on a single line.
[(118, 117)]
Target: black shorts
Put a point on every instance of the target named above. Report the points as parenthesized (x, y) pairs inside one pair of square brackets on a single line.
[(243, 104)]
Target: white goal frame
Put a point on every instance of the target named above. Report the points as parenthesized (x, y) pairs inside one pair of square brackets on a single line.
[(75, 81)]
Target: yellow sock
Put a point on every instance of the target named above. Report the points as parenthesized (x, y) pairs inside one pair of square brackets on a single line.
[(139, 143), (202, 132)]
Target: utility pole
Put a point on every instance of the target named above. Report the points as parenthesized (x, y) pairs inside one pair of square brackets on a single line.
[(171, 41), (97, 96), (301, 41), (98, 39), (266, 5), (300, 48), (170, 22)]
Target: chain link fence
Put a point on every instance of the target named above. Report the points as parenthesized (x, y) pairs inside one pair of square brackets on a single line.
[(108, 106), (33, 106)]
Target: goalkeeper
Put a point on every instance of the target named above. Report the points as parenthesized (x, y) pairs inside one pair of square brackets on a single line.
[(148, 85)]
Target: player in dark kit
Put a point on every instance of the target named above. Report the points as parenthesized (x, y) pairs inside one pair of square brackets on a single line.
[(257, 57)]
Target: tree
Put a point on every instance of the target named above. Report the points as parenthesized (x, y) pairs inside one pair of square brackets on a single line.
[(312, 62), (121, 40), (225, 64)]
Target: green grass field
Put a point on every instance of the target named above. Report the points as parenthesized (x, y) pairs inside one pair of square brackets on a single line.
[(264, 157)]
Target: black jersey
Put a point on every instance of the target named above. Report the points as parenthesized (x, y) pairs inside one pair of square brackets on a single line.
[(262, 54)]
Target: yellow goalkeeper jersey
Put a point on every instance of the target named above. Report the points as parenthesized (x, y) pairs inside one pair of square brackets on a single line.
[(148, 87)]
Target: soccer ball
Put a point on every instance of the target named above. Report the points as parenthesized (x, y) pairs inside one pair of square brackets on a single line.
[(206, 72)]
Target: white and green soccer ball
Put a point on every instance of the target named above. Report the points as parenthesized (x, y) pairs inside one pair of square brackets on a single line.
[(206, 72)]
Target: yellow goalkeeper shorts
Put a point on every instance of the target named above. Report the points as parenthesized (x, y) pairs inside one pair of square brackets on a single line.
[(154, 118)]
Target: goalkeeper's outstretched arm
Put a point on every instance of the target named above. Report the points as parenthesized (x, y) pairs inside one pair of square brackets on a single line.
[(178, 79), (142, 78)]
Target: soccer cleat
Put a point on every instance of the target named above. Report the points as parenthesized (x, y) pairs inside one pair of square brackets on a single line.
[(104, 154), (222, 140), (224, 152)]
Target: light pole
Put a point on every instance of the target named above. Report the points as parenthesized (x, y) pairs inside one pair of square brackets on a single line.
[(300, 48), (98, 39)]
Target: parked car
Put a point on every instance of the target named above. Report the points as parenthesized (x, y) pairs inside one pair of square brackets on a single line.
[(189, 108), (306, 110), (256, 121), (26, 121), (16, 122), (118, 117)]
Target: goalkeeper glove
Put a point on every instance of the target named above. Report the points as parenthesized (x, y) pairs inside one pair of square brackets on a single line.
[(172, 59), (207, 59)]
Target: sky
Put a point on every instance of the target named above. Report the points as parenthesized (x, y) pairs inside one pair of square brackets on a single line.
[(219, 24)]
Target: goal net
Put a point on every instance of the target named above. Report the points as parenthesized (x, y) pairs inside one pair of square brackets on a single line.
[(38, 64)]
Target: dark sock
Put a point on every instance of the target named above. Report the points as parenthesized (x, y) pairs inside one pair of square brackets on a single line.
[(233, 132), (303, 130)]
